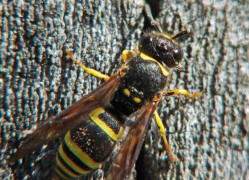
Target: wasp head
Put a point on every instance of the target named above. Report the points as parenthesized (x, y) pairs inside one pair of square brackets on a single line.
[(162, 48)]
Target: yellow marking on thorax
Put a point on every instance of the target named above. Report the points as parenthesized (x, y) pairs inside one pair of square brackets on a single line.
[(166, 36), (94, 115), (79, 153), (126, 54), (137, 100), (127, 92), (148, 58)]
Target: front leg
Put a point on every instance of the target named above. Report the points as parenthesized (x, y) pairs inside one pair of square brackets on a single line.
[(88, 70)]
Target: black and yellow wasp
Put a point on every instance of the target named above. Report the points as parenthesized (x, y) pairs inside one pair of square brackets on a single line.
[(94, 124)]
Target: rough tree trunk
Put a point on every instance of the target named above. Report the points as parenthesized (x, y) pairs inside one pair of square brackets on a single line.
[(37, 81)]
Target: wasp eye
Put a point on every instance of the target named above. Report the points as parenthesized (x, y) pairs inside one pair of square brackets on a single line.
[(177, 54)]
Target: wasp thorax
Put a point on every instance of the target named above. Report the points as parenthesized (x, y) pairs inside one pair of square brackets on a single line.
[(161, 48)]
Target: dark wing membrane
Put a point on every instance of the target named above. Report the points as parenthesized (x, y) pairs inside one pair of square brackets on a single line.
[(56, 126), (131, 146)]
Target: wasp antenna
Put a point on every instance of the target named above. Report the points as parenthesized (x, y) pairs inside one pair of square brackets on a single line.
[(182, 35)]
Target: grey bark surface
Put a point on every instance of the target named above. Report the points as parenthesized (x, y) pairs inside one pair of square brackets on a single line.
[(37, 81)]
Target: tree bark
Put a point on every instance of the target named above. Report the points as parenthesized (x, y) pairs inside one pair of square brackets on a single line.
[(37, 81)]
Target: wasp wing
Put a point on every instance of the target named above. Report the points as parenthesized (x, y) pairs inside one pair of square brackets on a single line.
[(131, 146), (56, 126)]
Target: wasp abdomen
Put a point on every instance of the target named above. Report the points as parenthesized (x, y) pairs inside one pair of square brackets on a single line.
[(89, 144)]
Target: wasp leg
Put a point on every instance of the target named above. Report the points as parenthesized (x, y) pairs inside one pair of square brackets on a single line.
[(172, 156), (88, 70), (181, 92), (127, 54)]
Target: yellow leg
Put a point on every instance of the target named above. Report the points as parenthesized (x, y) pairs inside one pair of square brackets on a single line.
[(182, 92), (88, 70), (126, 54), (172, 156)]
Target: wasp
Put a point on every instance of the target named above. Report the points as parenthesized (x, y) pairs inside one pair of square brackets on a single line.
[(93, 125)]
